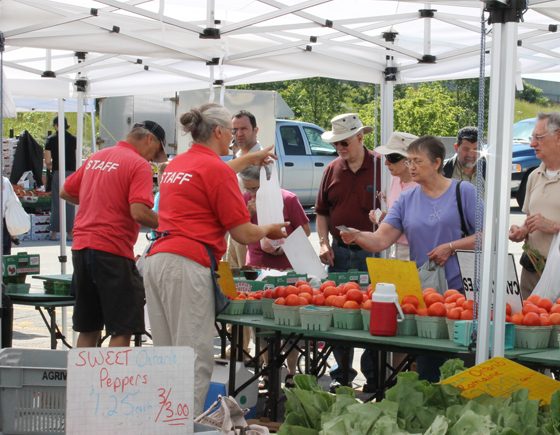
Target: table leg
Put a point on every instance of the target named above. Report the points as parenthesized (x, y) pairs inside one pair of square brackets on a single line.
[(52, 326), (274, 365), (233, 357)]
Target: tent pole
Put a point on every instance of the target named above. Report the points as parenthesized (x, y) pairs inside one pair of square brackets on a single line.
[(61, 202), (496, 214), (1, 170), (79, 129), (93, 135)]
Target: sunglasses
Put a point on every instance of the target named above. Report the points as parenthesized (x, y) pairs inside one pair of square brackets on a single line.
[(342, 143), (394, 158)]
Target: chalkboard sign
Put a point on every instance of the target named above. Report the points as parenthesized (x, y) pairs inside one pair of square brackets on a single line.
[(130, 390)]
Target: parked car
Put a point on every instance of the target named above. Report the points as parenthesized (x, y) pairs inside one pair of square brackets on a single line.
[(524, 161), (302, 158)]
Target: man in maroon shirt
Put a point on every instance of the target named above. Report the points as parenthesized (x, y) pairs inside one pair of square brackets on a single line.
[(345, 197)]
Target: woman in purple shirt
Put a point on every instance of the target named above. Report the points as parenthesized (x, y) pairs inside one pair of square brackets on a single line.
[(428, 214)]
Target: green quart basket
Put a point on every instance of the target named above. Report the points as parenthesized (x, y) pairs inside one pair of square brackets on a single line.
[(253, 306), (407, 327), (266, 304), (366, 316), (61, 288), (286, 316), (554, 337), (344, 318), (432, 327), (316, 318), (532, 337), (235, 307)]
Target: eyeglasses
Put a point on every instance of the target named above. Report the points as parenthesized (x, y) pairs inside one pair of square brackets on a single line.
[(251, 189), (342, 143), (413, 162), (394, 158), (539, 137)]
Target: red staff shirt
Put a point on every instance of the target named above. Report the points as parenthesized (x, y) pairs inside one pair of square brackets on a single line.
[(346, 197), (106, 184), (199, 202)]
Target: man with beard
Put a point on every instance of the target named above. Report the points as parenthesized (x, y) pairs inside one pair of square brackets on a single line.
[(462, 166)]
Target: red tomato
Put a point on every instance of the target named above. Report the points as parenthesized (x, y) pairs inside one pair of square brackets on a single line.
[(351, 305), (467, 315), (545, 303), (450, 292), (354, 295), (531, 319), (408, 309), (366, 305), (280, 301), (437, 309), (410, 299), (318, 299), (292, 300), (454, 313), (432, 298)]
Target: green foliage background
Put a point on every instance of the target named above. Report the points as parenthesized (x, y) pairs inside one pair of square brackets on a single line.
[(438, 108), (40, 123)]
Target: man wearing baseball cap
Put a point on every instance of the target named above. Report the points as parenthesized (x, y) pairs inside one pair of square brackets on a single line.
[(114, 191), (346, 195), (462, 166)]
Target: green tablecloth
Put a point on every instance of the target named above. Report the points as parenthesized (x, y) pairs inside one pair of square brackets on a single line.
[(402, 343), (545, 358)]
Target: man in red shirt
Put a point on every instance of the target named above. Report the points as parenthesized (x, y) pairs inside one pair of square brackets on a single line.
[(114, 191), (346, 195)]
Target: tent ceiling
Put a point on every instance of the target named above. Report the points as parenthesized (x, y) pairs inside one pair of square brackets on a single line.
[(146, 46)]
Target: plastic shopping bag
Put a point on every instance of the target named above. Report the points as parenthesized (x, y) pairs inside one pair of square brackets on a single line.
[(432, 275), (547, 287), (269, 203), (17, 220)]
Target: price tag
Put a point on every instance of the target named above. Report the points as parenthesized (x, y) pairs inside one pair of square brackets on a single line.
[(499, 377), (130, 390)]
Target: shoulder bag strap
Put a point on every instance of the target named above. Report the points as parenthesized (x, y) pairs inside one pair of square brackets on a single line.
[(464, 231)]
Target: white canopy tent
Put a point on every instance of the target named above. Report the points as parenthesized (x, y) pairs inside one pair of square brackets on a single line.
[(110, 47)]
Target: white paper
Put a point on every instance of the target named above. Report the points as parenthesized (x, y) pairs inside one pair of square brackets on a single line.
[(302, 256)]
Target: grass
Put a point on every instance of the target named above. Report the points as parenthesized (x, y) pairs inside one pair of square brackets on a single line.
[(524, 110)]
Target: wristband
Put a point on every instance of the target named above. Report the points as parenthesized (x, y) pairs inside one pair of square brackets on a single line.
[(452, 248)]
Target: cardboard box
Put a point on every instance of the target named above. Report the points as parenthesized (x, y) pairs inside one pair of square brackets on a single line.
[(21, 264), (289, 278)]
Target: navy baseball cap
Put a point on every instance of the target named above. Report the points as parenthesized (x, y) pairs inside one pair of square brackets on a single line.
[(158, 131)]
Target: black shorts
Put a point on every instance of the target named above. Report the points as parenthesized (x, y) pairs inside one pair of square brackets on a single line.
[(109, 293)]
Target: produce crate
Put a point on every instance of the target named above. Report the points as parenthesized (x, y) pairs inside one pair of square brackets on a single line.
[(431, 327), (366, 316), (462, 332), (247, 285), (20, 264), (532, 337), (18, 288), (235, 307), (316, 318), (32, 391), (267, 311), (407, 327), (347, 318), (360, 277), (253, 306), (554, 337), (287, 316), (36, 203), (289, 278)]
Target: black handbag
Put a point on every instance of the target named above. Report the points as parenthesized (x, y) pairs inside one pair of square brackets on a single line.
[(464, 230), (526, 263), (220, 300)]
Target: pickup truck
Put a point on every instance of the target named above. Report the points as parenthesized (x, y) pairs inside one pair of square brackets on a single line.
[(302, 158), (523, 159)]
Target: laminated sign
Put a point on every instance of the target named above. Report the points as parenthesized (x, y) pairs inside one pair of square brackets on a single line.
[(500, 377)]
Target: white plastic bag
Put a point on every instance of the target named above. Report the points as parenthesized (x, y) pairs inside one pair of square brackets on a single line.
[(547, 287), (17, 220), (433, 275), (269, 203)]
